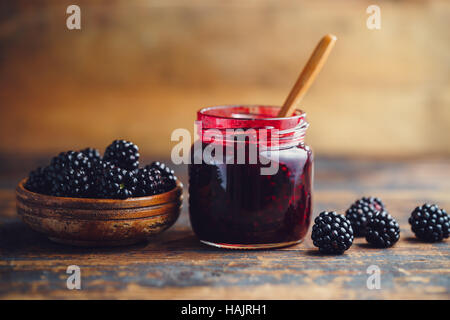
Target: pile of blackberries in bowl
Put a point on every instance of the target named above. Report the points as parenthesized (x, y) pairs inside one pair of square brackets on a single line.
[(116, 175)]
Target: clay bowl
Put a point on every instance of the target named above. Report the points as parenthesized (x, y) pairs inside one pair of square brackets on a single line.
[(98, 222)]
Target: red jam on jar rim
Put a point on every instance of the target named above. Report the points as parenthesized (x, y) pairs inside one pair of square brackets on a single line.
[(232, 204)]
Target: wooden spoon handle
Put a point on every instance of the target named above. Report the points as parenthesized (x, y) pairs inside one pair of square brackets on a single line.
[(309, 73)]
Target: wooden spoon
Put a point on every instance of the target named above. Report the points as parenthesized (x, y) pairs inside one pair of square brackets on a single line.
[(308, 75)]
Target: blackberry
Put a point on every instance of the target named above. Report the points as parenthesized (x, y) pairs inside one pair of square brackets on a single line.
[(70, 174), (361, 211), (85, 173), (97, 171), (92, 154), (161, 166), (374, 201), (430, 223), (123, 154), (382, 230), (37, 181), (68, 182), (66, 176), (115, 183), (70, 159), (332, 233), (169, 180), (149, 182)]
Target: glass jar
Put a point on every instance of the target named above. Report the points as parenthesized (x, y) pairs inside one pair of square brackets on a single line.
[(242, 201)]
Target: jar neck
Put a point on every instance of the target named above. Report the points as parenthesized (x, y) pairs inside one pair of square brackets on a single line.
[(251, 125)]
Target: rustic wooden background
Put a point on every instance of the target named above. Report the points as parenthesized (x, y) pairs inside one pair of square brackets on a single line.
[(139, 69)]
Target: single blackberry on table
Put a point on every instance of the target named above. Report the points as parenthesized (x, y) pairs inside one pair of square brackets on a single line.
[(430, 223), (382, 230), (361, 211), (123, 154), (332, 233), (37, 181), (92, 154), (116, 183), (149, 182)]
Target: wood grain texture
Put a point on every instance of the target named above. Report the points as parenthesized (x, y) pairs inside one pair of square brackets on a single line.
[(174, 265)]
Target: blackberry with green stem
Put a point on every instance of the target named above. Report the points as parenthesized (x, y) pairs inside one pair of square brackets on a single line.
[(430, 223), (123, 154), (116, 183)]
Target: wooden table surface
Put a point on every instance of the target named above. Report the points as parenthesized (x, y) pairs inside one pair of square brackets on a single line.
[(174, 265)]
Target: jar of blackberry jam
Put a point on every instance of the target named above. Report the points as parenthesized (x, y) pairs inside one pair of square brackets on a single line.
[(242, 201)]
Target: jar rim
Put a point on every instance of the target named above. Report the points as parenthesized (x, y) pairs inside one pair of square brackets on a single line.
[(262, 116), (204, 112), (288, 130)]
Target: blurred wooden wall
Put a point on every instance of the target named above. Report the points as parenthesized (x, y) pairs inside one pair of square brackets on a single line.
[(139, 69)]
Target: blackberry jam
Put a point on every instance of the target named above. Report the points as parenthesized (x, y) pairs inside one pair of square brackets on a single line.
[(250, 178)]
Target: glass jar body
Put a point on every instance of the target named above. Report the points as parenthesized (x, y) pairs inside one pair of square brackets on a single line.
[(233, 205)]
